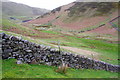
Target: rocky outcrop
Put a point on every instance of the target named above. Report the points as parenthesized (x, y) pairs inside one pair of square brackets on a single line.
[(28, 52)]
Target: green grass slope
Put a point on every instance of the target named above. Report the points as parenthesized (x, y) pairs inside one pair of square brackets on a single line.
[(13, 70), (103, 48), (6, 24)]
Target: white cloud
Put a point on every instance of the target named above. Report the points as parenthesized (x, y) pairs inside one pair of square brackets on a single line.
[(48, 4), (4, 0), (51, 4), (97, 0)]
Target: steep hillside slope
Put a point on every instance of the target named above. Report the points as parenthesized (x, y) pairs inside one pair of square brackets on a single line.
[(10, 26), (81, 16), (17, 9)]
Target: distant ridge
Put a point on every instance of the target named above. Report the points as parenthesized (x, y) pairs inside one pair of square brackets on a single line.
[(17, 9), (5, 0)]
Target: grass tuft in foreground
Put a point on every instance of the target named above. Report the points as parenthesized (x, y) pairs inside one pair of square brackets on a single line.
[(13, 70)]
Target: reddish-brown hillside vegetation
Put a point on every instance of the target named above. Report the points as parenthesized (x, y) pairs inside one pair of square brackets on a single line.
[(80, 16)]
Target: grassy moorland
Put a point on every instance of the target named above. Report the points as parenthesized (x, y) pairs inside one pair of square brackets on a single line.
[(13, 70), (87, 42), (103, 48), (99, 46)]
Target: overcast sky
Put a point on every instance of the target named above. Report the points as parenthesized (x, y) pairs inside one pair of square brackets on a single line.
[(47, 4), (51, 4)]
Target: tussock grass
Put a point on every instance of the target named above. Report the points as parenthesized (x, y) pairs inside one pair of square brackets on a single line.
[(13, 70)]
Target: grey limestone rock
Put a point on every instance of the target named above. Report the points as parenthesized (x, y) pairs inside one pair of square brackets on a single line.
[(19, 62), (28, 52)]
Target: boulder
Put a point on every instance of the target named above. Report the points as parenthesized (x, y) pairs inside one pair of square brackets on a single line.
[(2, 35), (13, 38), (33, 62), (28, 51), (19, 62), (5, 56)]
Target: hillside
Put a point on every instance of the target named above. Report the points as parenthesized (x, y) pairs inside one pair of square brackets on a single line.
[(17, 9), (82, 17), (47, 29), (26, 71), (83, 35)]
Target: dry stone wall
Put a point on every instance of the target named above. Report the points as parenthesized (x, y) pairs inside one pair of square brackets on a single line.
[(28, 52)]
